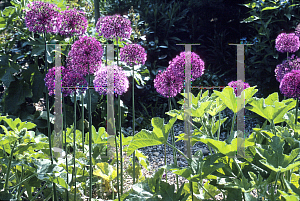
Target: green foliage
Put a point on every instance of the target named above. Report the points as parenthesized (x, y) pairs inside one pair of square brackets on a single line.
[(267, 19)]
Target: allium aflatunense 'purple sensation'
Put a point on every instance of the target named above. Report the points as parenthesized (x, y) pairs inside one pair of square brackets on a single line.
[(133, 54), (168, 84), (74, 23), (121, 83), (85, 53), (114, 26), (68, 79), (43, 17), (238, 84), (290, 84), (287, 42), (292, 63), (177, 65)]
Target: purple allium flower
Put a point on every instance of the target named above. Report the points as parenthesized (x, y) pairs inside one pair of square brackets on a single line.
[(68, 79), (287, 42), (287, 66), (74, 22), (43, 17), (177, 64), (85, 53), (114, 26), (238, 84), (121, 83), (168, 84), (133, 53), (297, 30), (290, 84)]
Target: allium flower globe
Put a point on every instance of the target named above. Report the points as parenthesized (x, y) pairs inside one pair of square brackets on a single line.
[(292, 63), (238, 84), (177, 65), (114, 26), (290, 84), (297, 30), (287, 42), (133, 54), (85, 53), (168, 84), (74, 22), (121, 83), (68, 79), (43, 17)]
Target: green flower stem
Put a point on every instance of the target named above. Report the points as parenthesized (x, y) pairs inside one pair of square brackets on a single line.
[(192, 190), (120, 134), (118, 191), (66, 151), (166, 161), (219, 129), (282, 122), (8, 167), (48, 116), (133, 122), (74, 145), (83, 134), (296, 119), (121, 145), (173, 142), (232, 124), (206, 190), (90, 134), (178, 151)]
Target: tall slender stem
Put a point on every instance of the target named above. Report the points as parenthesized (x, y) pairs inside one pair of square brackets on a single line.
[(173, 142), (74, 145), (48, 116), (90, 134), (133, 121), (296, 119), (120, 126), (66, 151), (83, 134)]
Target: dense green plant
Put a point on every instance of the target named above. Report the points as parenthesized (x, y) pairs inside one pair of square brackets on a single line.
[(272, 152)]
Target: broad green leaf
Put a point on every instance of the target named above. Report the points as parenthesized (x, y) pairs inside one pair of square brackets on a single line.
[(250, 19), (105, 171), (8, 11), (8, 77), (216, 107), (270, 108), (231, 101), (274, 158), (2, 22), (211, 189), (143, 138), (223, 147)]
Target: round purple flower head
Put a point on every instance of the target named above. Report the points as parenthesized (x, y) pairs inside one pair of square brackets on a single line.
[(292, 63), (74, 22), (177, 65), (133, 53), (121, 83), (287, 42), (43, 17), (290, 84), (85, 53), (68, 78), (168, 84), (114, 26), (238, 84), (297, 30)]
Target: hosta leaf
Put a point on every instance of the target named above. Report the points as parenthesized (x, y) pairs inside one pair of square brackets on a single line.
[(269, 8)]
